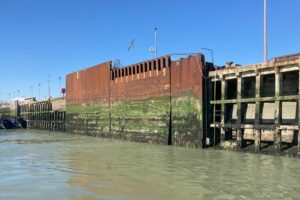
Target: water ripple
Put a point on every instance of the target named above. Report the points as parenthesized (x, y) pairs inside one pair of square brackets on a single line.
[(62, 166)]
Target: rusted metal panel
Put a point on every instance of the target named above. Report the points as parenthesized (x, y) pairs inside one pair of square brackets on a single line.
[(70, 88), (135, 102), (140, 102), (89, 85), (141, 83), (97, 83), (88, 109), (187, 101)]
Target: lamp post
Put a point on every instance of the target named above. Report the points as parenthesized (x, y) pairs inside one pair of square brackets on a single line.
[(59, 83), (211, 52), (265, 33), (39, 85), (49, 94), (31, 90), (155, 41)]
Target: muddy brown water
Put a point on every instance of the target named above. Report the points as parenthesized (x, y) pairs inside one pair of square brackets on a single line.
[(46, 165)]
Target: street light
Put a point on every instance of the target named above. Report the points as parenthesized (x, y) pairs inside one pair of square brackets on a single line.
[(59, 83), (211, 52), (31, 90), (155, 41), (49, 94), (152, 50), (39, 85), (265, 32)]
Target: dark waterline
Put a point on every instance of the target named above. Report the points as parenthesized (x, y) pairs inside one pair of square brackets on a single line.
[(47, 165)]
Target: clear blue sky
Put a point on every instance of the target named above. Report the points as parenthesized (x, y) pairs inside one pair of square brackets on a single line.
[(55, 37)]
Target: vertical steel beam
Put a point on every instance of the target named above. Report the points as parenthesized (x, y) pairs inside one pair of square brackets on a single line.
[(222, 128), (265, 32), (277, 136), (239, 137), (211, 118), (299, 115), (257, 142)]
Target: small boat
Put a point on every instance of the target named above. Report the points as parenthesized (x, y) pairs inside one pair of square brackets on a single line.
[(6, 124), (19, 123)]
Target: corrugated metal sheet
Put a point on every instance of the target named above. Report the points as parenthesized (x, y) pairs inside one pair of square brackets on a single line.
[(187, 101), (89, 85), (139, 101)]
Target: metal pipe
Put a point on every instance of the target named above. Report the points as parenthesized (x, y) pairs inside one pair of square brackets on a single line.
[(155, 41), (59, 84), (265, 33), (31, 90), (39, 85), (49, 91)]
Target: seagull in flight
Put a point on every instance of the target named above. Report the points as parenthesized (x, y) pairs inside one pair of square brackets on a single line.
[(131, 45)]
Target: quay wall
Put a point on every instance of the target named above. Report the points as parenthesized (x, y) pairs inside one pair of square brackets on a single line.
[(256, 107), (4, 112), (140, 102), (185, 102), (87, 101), (158, 101), (45, 115)]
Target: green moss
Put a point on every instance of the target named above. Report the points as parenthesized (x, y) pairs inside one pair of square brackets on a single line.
[(186, 120), (144, 120)]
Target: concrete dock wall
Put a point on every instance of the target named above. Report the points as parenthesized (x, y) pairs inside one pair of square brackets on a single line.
[(45, 115), (258, 109), (4, 111)]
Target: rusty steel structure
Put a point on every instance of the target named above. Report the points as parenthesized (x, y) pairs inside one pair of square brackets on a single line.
[(186, 102), (157, 101)]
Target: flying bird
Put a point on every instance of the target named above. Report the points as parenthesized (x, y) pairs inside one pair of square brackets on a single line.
[(131, 45)]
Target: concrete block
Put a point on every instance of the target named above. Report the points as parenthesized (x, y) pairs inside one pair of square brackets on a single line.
[(287, 136), (249, 113), (59, 104), (268, 113), (229, 145), (267, 135), (289, 112), (249, 134), (234, 112)]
